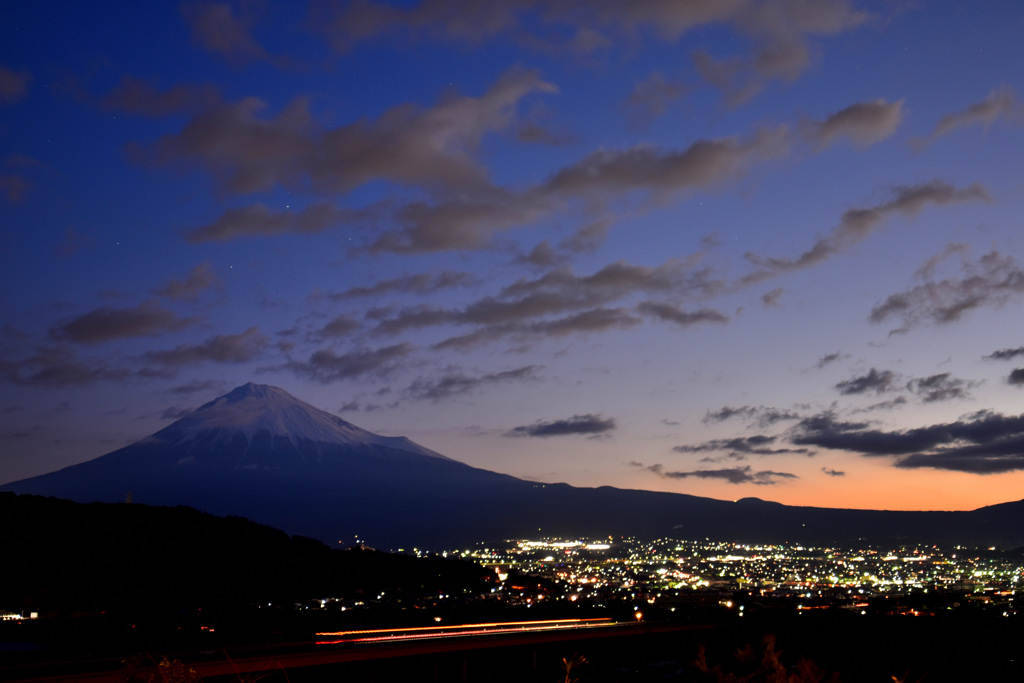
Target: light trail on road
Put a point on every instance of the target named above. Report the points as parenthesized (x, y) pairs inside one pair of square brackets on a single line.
[(359, 646), (458, 630)]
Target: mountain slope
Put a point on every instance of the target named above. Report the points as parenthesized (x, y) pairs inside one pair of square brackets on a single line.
[(260, 453), (257, 421)]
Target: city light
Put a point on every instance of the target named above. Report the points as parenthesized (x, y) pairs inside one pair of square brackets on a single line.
[(673, 573)]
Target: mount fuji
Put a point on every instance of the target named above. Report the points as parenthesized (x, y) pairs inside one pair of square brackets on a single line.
[(260, 453)]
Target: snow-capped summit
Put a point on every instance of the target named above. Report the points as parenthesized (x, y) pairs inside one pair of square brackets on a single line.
[(260, 412), (261, 453)]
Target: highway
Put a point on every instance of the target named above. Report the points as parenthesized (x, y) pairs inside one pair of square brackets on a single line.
[(457, 631), (333, 648)]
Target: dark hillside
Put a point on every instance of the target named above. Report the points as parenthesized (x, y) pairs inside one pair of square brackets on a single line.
[(70, 557)]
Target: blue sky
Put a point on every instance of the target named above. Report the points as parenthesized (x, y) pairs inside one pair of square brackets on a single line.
[(744, 248)]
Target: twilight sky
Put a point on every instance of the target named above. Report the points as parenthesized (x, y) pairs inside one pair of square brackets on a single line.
[(731, 248)]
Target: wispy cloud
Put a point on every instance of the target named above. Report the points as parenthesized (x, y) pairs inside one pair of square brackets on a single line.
[(421, 283), (598, 179), (733, 475), (338, 326), (992, 280), (191, 287), (206, 386), (984, 442), (763, 416), (781, 32), (1000, 103), (878, 381), (828, 358), (941, 387), (13, 84), (326, 365), (771, 299), (560, 302), (13, 187), (104, 324), (857, 224), (456, 383), (141, 97), (218, 29), (222, 348), (58, 366), (1005, 354), (652, 97), (864, 124), (674, 314), (258, 220), (588, 424), (247, 151), (760, 444)]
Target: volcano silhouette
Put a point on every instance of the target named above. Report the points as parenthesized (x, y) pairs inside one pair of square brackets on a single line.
[(260, 453)]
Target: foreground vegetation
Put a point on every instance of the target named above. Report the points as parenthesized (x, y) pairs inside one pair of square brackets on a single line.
[(150, 585)]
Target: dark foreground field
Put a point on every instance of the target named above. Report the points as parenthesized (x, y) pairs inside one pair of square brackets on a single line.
[(118, 589), (835, 646)]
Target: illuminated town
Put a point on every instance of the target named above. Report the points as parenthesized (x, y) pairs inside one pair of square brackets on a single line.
[(619, 602), (672, 575)]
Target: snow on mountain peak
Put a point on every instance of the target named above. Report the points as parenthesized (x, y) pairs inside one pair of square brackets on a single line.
[(254, 408)]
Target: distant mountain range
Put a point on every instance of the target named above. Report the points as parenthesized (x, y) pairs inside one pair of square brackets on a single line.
[(260, 453)]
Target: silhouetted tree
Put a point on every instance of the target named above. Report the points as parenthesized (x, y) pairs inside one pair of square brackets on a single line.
[(768, 668)]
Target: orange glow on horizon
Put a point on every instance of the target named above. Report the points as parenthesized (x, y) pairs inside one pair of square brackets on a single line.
[(875, 485)]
